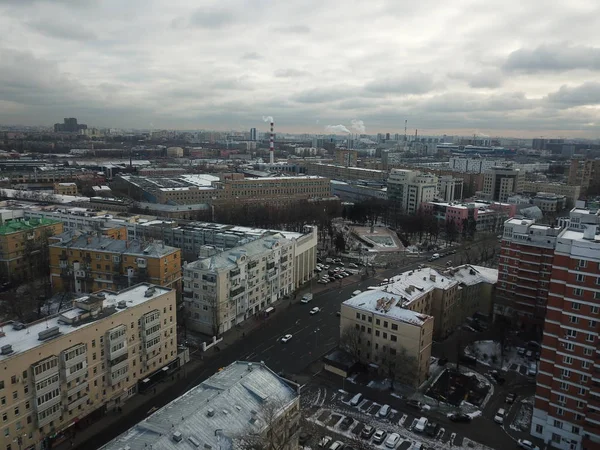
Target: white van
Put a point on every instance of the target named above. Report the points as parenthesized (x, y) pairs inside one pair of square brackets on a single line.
[(383, 411), (356, 400), (435, 256), (421, 424)]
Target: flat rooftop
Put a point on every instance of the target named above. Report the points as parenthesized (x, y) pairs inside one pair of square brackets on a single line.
[(19, 225), (229, 404), (80, 241), (384, 304), (27, 338)]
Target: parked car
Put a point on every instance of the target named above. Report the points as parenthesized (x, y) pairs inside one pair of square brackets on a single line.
[(421, 424), (356, 400), (498, 377), (392, 440), (499, 417), (303, 438), (337, 445), (324, 442), (383, 411), (367, 432), (379, 436), (346, 423), (306, 298), (355, 293), (527, 445), (286, 338), (432, 429), (354, 266), (521, 351), (532, 369), (315, 310), (460, 417), (510, 398)]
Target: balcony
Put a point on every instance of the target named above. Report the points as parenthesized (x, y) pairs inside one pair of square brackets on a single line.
[(236, 292), (120, 353), (76, 403), (81, 373), (77, 388)]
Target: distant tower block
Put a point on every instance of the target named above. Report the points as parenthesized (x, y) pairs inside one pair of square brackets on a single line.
[(272, 146)]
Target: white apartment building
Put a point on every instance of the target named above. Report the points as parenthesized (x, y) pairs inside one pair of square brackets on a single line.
[(83, 361), (226, 288), (408, 189), (476, 165), (450, 189)]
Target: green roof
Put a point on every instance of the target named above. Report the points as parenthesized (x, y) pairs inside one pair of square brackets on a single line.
[(16, 226)]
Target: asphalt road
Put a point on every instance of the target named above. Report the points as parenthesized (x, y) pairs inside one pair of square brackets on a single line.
[(313, 336)]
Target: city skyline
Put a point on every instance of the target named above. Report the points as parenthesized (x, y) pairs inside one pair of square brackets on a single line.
[(523, 69)]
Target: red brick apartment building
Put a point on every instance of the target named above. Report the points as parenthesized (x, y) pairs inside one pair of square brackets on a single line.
[(526, 257), (567, 401)]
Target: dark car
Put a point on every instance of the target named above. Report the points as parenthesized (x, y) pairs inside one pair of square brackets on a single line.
[(431, 429), (498, 377), (414, 404), (346, 423), (459, 417), (303, 438), (468, 360), (510, 398), (367, 432), (380, 436)]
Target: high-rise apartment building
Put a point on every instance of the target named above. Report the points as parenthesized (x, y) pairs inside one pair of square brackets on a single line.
[(450, 188), (567, 402), (346, 158), (83, 263), (524, 271), (408, 189), (501, 182), (20, 241), (76, 365), (253, 135), (223, 289), (585, 173), (69, 125), (243, 406)]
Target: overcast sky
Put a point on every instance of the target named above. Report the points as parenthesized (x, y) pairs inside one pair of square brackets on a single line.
[(511, 67)]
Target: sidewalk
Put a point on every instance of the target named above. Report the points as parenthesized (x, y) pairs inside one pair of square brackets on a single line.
[(141, 401)]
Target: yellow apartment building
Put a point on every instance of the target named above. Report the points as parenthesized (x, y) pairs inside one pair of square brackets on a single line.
[(22, 239), (395, 339), (63, 372), (65, 188), (83, 263)]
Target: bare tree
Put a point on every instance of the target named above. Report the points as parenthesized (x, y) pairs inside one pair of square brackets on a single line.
[(350, 341), (276, 427), (406, 367)]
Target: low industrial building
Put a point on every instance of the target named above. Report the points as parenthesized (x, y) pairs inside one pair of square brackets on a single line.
[(65, 188), (244, 405), (71, 368)]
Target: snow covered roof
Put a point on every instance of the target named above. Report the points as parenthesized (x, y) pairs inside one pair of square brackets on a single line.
[(27, 338), (228, 405), (471, 275), (388, 305), (412, 285)]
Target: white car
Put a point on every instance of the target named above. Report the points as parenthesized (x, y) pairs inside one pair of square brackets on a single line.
[(499, 417), (315, 310), (527, 445), (392, 440), (354, 266), (286, 338), (337, 445), (355, 293), (324, 442)]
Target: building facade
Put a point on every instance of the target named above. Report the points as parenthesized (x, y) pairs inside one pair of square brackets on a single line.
[(20, 241), (65, 188), (245, 405), (572, 192), (450, 188), (499, 183), (566, 412), (345, 157), (550, 203), (524, 271), (62, 369), (358, 192), (585, 173), (395, 339), (473, 216), (224, 289), (408, 189), (343, 173), (83, 263)]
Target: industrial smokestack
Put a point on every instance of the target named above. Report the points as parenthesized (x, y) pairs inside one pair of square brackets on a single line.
[(272, 146)]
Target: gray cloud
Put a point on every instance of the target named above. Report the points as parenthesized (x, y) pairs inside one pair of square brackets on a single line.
[(212, 18), (322, 95), (290, 73), (570, 96), (57, 30), (554, 58), (414, 83), (295, 29), (252, 56)]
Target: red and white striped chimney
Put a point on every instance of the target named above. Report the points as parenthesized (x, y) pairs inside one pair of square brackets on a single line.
[(272, 146)]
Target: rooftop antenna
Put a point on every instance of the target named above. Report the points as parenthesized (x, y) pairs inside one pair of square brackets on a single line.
[(405, 124)]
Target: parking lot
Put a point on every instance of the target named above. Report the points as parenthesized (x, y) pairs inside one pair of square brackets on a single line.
[(332, 415)]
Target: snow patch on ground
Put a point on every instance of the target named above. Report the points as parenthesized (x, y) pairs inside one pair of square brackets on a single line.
[(380, 385), (486, 352), (522, 421)]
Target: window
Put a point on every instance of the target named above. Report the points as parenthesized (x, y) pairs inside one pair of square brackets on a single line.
[(580, 277), (584, 378), (3, 401), (595, 309), (580, 404), (539, 429), (575, 306), (377, 322), (569, 346), (597, 296), (385, 335), (377, 333), (568, 360), (385, 324), (588, 351), (592, 324), (566, 373), (393, 337), (582, 391), (358, 316), (571, 333), (561, 399), (590, 338), (394, 327), (577, 292), (585, 365), (15, 395), (574, 319), (582, 263)]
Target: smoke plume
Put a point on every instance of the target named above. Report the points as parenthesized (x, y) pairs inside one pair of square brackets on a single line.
[(268, 119), (337, 129), (358, 126)]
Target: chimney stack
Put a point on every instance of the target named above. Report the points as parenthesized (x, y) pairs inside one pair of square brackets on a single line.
[(272, 146)]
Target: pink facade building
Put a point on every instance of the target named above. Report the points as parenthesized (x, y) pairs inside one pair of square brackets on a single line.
[(481, 216)]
